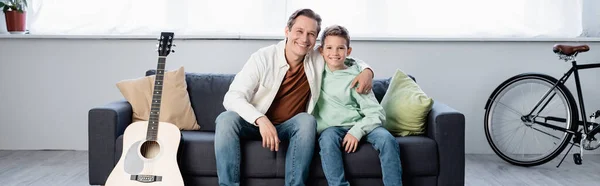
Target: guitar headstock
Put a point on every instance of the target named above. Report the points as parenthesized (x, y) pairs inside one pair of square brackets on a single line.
[(165, 43)]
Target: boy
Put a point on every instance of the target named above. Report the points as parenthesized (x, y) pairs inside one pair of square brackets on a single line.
[(345, 116)]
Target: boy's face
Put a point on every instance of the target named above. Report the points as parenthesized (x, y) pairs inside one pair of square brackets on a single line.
[(302, 37), (334, 50)]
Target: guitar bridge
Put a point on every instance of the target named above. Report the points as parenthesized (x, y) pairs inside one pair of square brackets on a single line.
[(146, 178)]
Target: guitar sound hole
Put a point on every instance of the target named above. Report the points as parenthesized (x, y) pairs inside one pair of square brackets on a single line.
[(150, 149)]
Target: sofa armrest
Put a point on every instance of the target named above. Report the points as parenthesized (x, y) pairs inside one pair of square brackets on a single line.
[(446, 126), (105, 124)]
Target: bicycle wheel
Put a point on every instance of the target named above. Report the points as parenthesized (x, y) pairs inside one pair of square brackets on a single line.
[(517, 136)]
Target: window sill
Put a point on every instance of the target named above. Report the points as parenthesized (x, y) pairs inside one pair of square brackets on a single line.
[(270, 37)]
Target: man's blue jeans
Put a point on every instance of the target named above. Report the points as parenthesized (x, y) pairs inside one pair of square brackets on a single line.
[(299, 130), (330, 142)]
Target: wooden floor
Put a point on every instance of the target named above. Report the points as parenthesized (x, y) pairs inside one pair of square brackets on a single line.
[(43, 168), (491, 170), (65, 168)]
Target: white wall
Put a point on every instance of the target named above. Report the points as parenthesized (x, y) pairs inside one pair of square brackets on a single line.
[(48, 85)]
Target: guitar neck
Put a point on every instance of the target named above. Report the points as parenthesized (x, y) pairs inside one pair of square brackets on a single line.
[(156, 100)]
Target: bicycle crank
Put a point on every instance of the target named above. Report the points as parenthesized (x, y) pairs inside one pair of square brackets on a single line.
[(578, 157), (588, 144)]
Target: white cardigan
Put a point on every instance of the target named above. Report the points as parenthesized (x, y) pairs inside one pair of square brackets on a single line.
[(255, 86)]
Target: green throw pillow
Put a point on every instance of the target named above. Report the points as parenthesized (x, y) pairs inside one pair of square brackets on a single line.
[(406, 106)]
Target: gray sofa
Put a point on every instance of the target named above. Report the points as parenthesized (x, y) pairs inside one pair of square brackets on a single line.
[(435, 158)]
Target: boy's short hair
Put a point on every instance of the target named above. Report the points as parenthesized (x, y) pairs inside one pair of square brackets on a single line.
[(336, 30), (305, 12)]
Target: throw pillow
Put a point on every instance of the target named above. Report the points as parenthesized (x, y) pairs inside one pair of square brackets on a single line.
[(175, 103), (406, 106)]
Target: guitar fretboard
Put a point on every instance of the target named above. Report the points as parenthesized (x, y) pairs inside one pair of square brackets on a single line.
[(156, 100)]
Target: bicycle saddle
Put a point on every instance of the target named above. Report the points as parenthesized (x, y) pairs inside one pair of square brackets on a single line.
[(569, 50)]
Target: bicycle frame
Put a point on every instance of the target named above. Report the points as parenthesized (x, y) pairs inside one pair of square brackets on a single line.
[(575, 71)]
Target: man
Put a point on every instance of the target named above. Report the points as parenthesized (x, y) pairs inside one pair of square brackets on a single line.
[(272, 99)]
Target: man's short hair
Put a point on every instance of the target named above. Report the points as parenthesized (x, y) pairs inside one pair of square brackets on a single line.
[(305, 12), (336, 30)]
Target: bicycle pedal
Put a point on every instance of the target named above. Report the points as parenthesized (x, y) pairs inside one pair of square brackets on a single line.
[(577, 158)]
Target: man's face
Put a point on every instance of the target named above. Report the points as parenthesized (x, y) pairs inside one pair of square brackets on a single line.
[(302, 36)]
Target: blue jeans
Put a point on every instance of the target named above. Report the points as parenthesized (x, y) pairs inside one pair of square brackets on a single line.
[(300, 130), (330, 142)]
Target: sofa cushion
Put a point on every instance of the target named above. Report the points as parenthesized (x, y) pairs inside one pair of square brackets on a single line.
[(197, 153), (175, 105), (418, 156), (406, 106), (206, 93), (379, 88), (198, 157)]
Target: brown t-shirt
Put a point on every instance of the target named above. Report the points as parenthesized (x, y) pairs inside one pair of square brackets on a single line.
[(292, 96)]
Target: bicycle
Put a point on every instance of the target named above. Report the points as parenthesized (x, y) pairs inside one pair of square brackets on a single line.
[(541, 115)]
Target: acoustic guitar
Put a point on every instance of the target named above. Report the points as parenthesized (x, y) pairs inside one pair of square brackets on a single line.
[(150, 147)]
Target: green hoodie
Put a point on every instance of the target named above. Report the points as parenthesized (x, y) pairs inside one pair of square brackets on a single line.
[(340, 105)]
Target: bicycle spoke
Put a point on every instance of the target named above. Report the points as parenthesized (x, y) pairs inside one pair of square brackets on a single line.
[(514, 111), (546, 104), (512, 130), (536, 137), (510, 120), (553, 142), (512, 134), (551, 135), (523, 145), (552, 108), (509, 136), (523, 102)]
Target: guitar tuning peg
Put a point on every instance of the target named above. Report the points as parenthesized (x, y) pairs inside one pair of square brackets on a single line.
[(173, 51), (174, 45)]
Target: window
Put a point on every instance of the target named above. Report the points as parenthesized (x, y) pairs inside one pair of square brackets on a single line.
[(367, 18)]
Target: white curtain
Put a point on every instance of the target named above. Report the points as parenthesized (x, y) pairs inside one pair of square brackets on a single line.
[(364, 18)]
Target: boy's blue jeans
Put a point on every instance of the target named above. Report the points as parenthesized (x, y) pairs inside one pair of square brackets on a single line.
[(299, 130), (330, 142)]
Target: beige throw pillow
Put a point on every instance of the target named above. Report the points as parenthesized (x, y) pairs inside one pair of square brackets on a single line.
[(175, 102)]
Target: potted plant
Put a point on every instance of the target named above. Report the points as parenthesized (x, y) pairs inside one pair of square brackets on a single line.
[(15, 14)]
